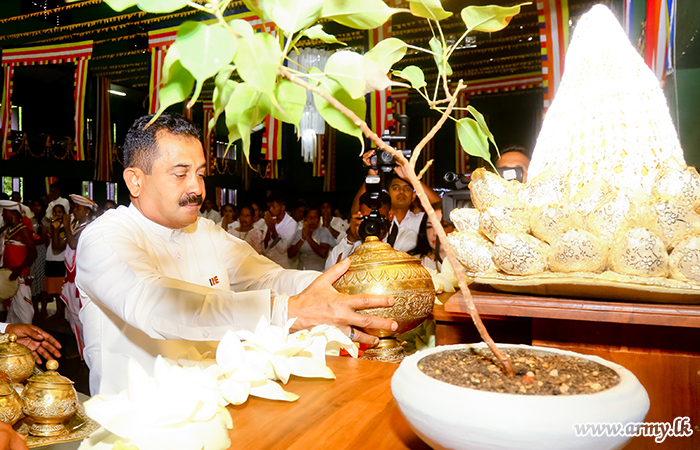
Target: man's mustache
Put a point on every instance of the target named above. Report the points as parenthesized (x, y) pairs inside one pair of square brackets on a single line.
[(190, 199)]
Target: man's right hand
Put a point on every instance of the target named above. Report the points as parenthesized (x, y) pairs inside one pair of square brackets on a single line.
[(320, 304)]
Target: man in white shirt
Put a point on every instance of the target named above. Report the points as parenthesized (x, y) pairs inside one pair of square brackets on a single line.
[(208, 211), (348, 244), (155, 280), (280, 231)]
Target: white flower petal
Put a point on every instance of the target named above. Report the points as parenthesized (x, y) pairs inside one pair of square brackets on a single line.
[(234, 392), (309, 368), (101, 439), (273, 391)]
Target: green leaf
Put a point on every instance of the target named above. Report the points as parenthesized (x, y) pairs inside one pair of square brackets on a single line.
[(177, 88), (242, 27), (316, 32), (386, 53), (378, 61), (489, 18), (428, 9), (246, 108), (121, 5), (482, 124), (330, 114), (223, 89), (413, 74), (436, 47), (257, 60), (473, 139), (161, 6), (293, 15), (204, 50), (360, 14), (346, 69), (292, 99)]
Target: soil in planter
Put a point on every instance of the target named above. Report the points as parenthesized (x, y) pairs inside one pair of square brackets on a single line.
[(536, 372)]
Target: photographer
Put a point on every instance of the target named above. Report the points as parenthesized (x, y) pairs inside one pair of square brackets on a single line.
[(401, 239), (516, 159)]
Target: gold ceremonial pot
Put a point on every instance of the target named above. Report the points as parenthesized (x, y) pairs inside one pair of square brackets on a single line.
[(16, 360), (49, 399), (376, 268), (10, 404)]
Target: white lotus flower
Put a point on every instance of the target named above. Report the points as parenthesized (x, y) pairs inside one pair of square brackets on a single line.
[(177, 408)]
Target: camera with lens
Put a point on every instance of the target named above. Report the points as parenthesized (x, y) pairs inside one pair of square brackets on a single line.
[(375, 223), (383, 160)]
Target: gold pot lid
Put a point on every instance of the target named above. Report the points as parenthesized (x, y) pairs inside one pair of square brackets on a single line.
[(50, 376), (375, 252), (5, 389), (12, 348)]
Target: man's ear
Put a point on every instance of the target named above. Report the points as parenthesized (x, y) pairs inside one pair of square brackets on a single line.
[(134, 178)]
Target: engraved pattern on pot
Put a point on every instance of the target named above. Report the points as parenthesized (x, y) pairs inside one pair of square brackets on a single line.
[(42, 410)]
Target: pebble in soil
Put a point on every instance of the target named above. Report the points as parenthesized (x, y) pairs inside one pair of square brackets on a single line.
[(536, 372)]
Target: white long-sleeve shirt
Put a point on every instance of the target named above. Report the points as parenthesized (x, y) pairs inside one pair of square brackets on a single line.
[(276, 248), (148, 290)]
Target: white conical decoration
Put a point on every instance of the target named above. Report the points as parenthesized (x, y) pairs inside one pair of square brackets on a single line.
[(609, 116)]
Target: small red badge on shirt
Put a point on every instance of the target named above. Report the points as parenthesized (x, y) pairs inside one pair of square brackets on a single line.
[(213, 281)]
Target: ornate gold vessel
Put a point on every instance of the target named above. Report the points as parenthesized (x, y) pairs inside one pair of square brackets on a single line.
[(376, 268), (16, 360), (10, 404), (49, 399)]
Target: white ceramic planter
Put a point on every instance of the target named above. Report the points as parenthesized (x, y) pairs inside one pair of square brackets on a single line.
[(453, 417)]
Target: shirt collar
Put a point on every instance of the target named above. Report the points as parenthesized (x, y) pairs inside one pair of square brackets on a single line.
[(159, 230)]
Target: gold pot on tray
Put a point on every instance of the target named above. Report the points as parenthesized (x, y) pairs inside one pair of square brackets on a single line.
[(10, 404), (16, 360), (376, 268), (49, 399)]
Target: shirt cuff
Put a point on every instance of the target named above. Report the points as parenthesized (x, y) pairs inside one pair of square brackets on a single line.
[(279, 313), (3, 327)]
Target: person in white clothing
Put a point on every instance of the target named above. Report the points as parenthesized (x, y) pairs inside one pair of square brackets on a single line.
[(156, 280), (18, 255), (245, 230), (348, 244), (208, 211), (56, 199), (280, 230), (228, 222), (83, 212)]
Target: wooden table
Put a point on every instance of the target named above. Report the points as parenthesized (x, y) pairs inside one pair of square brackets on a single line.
[(659, 343), (354, 411)]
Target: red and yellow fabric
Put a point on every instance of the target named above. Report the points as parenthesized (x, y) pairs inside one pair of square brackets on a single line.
[(553, 17), (319, 167), (208, 138), (78, 52), (503, 84), (272, 170), (399, 100), (659, 26), (6, 111), (461, 157), (103, 147)]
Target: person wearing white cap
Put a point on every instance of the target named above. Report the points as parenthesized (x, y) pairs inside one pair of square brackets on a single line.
[(83, 212), (56, 199), (18, 255)]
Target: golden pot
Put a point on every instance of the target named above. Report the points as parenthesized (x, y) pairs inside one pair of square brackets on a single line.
[(376, 268), (16, 360), (10, 404), (49, 399)]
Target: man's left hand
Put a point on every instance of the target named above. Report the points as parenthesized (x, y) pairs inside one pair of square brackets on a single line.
[(39, 341)]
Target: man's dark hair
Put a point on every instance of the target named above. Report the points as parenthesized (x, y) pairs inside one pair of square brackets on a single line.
[(277, 197), (516, 148), (141, 143)]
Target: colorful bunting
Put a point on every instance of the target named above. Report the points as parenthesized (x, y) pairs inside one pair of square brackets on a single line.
[(6, 111), (553, 17), (660, 28)]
